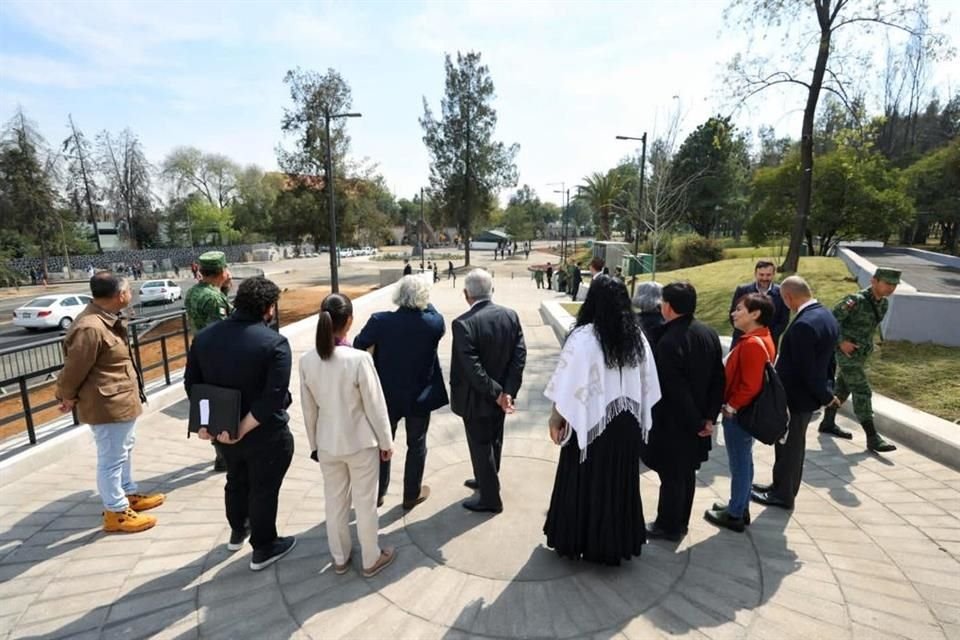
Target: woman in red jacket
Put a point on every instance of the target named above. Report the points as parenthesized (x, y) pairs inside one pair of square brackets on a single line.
[(744, 380)]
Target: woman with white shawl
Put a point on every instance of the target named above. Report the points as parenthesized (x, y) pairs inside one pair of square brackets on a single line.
[(603, 389)]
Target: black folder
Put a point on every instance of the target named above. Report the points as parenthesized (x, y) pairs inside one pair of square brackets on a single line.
[(213, 407)]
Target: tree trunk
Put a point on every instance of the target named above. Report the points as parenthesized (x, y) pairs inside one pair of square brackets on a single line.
[(792, 261)]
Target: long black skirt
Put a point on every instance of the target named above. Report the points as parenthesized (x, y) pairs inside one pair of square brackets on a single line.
[(595, 510)]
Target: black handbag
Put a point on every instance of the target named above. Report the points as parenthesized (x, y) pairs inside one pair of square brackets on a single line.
[(766, 417)]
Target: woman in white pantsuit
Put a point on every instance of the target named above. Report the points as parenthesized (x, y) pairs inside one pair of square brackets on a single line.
[(349, 432)]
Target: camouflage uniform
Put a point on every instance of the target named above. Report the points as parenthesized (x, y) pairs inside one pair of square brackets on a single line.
[(205, 304)]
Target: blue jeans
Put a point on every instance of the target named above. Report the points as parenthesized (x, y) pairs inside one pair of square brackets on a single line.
[(739, 445), (114, 477)]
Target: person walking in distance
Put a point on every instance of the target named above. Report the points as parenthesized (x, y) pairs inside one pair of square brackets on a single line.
[(486, 372), (859, 315), (99, 380), (805, 367)]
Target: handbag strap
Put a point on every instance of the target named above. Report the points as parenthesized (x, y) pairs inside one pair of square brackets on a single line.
[(762, 345)]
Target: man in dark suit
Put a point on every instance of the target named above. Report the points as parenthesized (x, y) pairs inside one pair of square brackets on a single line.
[(690, 367), (805, 364), (243, 353), (763, 283), (486, 371), (407, 269), (404, 344)]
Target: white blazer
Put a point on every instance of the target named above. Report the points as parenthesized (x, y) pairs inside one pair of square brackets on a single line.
[(344, 410)]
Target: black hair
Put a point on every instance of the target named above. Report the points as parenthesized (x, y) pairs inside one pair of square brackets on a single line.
[(765, 264), (209, 272), (614, 323), (681, 296), (105, 285), (335, 311), (761, 303), (256, 295)]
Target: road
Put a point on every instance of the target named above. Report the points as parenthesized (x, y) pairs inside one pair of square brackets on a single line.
[(927, 276)]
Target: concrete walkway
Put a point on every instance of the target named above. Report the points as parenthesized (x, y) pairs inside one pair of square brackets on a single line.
[(870, 552)]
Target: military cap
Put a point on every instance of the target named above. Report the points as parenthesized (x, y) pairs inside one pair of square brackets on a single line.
[(888, 275), (213, 260)]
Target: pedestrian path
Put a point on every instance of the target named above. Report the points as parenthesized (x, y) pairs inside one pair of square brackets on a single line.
[(871, 550)]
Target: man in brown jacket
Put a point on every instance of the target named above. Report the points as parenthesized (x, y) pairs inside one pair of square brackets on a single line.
[(100, 380)]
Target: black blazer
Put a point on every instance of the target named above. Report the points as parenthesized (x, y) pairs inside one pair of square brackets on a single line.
[(488, 358), (690, 368), (807, 361), (405, 355), (781, 314), (243, 353)]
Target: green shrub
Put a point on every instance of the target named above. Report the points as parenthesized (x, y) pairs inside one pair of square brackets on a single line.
[(691, 251)]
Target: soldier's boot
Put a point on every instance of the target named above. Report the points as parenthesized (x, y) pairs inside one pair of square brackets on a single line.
[(829, 425), (875, 441)]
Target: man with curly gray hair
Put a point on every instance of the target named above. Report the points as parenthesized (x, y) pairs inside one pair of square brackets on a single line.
[(404, 345)]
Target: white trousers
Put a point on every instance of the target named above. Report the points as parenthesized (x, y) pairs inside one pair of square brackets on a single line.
[(355, 476)]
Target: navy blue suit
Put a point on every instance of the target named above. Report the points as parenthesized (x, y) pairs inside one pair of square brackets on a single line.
[(805, 365), (405, 355), (781, 314)]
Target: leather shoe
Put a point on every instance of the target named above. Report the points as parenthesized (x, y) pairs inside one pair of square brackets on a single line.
[(479, 507), (770, 499), (835, 431), (471, 484), (762, 488), (424, 494), (722, 506), (722, 518), (654, 532)]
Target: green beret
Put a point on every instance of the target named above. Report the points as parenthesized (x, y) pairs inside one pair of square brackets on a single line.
[(213, 260), (888, 275)]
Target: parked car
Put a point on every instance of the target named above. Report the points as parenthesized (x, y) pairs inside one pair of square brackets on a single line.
[(47, 312), (345, 253), (162, 291)]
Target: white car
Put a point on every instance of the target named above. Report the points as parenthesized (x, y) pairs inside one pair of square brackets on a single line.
[(47, 312), (345, 253), (162, 291)]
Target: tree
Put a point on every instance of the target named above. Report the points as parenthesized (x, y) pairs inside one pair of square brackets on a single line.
[(82, 165), (467, 166), (600, 191), (212, 175), (712, 163), (934, 183), (254, 200), (751, 76), (128, 182)]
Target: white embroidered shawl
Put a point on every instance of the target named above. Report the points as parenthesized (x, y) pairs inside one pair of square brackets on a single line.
[(589, 395)]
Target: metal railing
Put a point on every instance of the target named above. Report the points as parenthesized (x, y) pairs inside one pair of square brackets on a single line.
[(32, 365)]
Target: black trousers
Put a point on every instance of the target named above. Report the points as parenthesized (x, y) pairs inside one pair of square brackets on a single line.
[(255, 469), (485, 439), (788, 463), (416, 428), (677, 486)]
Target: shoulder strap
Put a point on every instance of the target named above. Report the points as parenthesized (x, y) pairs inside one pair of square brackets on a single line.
[(762, 345)]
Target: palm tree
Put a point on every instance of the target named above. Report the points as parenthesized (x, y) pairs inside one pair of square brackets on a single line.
[(600, 192)]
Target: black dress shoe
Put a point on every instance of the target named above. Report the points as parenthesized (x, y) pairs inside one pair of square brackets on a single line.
[(762, 488), (770, 499), (479, 507), (722, 506), (835, 431), (722, 518), (424, 494), (380, 501), (654, 532), (471, 484)]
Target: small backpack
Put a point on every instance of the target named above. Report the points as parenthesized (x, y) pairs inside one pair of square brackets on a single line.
[(766, 417)]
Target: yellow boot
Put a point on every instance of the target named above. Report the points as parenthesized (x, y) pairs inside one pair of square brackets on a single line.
[(141, 502), (128, 521)]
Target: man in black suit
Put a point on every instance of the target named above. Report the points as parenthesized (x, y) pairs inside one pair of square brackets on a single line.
[(690, 367), (404, 344), (486, 371), (243, 353), (763, 283), (805, 364), (407, 269)]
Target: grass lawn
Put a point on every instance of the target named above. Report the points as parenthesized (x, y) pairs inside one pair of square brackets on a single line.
[(922, 375)]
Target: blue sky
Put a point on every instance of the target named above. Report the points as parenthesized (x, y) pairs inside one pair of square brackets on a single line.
[(569, 75)]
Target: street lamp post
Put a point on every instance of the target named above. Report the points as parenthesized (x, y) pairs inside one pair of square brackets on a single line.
[(334, 276), (563, 221), (636, 230), (420, 235)]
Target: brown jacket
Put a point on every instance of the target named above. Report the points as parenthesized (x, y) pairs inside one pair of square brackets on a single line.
[(98, 370)]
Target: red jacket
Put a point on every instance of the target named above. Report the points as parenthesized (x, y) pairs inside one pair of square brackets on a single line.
[(744, 369)]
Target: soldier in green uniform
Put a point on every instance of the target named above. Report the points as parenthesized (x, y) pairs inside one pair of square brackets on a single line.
[(859, 315), (206, 302)]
